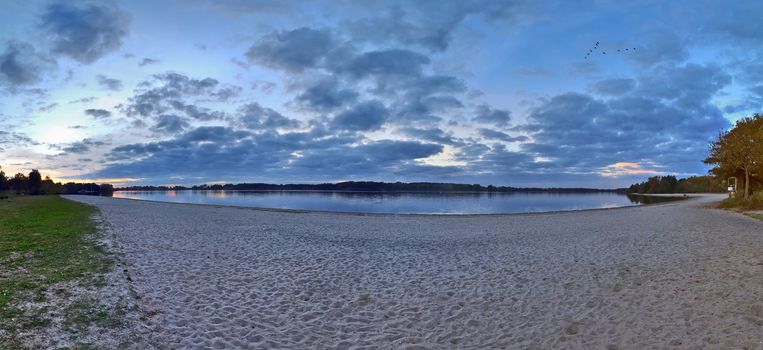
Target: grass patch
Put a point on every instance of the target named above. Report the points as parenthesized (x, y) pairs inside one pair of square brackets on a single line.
[(755, 202), (80, 314), (43, 240)]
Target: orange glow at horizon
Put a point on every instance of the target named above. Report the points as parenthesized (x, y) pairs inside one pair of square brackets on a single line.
[(113, 181), (626, 168)]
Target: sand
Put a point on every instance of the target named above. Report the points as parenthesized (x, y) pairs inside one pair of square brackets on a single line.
[(677, 275)]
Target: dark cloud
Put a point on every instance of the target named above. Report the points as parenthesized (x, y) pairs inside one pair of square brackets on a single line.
[(147, 61), (109, 83), (669, 119), (264, 86), (386, 63), (497, 159), (684, 85), (170, 124), (254, 116), (182, 84), (293, 50), (364, 116), (85, 32), (435, 84), (98, 113), (22, 64), (326, 95), (196, 112), (48, 107), (170, 94), (414, 108), (430, 24), (81, 146), (501, 136), (226, 93), (484, 114), (435, 135), (374, 159), (15, 139), (204, 151), (394, 75)]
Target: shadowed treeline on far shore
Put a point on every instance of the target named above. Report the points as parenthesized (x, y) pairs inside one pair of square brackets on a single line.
[(366, 186), (671, 184), (34, 184)]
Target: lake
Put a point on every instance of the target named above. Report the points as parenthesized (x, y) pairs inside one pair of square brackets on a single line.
[(398, 202)]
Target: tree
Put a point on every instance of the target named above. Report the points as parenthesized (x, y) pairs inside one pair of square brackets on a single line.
[(19, 183), (50, 187), (35, 182), (106, 190), (667, 184), (3, 181), (739, 151)]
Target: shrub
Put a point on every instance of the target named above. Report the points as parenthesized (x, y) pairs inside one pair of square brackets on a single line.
[(755, 202)]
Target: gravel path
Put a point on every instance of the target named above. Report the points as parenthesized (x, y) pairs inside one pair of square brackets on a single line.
[(662, 276)]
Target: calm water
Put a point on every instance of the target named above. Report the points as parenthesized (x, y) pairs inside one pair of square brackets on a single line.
[(386, 202)]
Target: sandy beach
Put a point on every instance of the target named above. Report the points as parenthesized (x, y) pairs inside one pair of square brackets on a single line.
[(677, 275)]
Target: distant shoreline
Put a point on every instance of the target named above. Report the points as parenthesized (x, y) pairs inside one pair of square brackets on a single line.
[(370, 186)]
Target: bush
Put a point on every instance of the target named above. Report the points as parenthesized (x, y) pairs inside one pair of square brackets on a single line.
[(755, 202)]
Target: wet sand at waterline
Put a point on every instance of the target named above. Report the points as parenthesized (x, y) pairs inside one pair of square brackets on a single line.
[(676, 275)]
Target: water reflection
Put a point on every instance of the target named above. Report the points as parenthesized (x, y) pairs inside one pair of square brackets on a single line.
[(399, 202)]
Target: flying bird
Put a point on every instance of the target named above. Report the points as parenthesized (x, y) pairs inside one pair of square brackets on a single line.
[(597, 47)]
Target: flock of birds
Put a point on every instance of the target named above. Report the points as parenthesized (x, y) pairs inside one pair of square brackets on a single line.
[(595, 49)]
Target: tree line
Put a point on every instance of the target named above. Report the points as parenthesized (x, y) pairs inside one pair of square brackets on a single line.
[(34, 184), (739, 153), (671, 184), (365, 186)]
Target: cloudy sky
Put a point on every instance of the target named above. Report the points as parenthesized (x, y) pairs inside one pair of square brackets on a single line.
[(492, 92)]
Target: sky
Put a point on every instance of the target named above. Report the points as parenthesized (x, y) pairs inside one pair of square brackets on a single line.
[(513, 93)]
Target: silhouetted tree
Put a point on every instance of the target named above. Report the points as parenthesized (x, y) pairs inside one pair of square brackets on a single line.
[(50, 187), (106, 190), (19, 183), (35, 182), (667, 184), (3, 181)]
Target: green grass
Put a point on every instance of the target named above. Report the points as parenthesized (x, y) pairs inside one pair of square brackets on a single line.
[(755, 202), (43, 241)]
